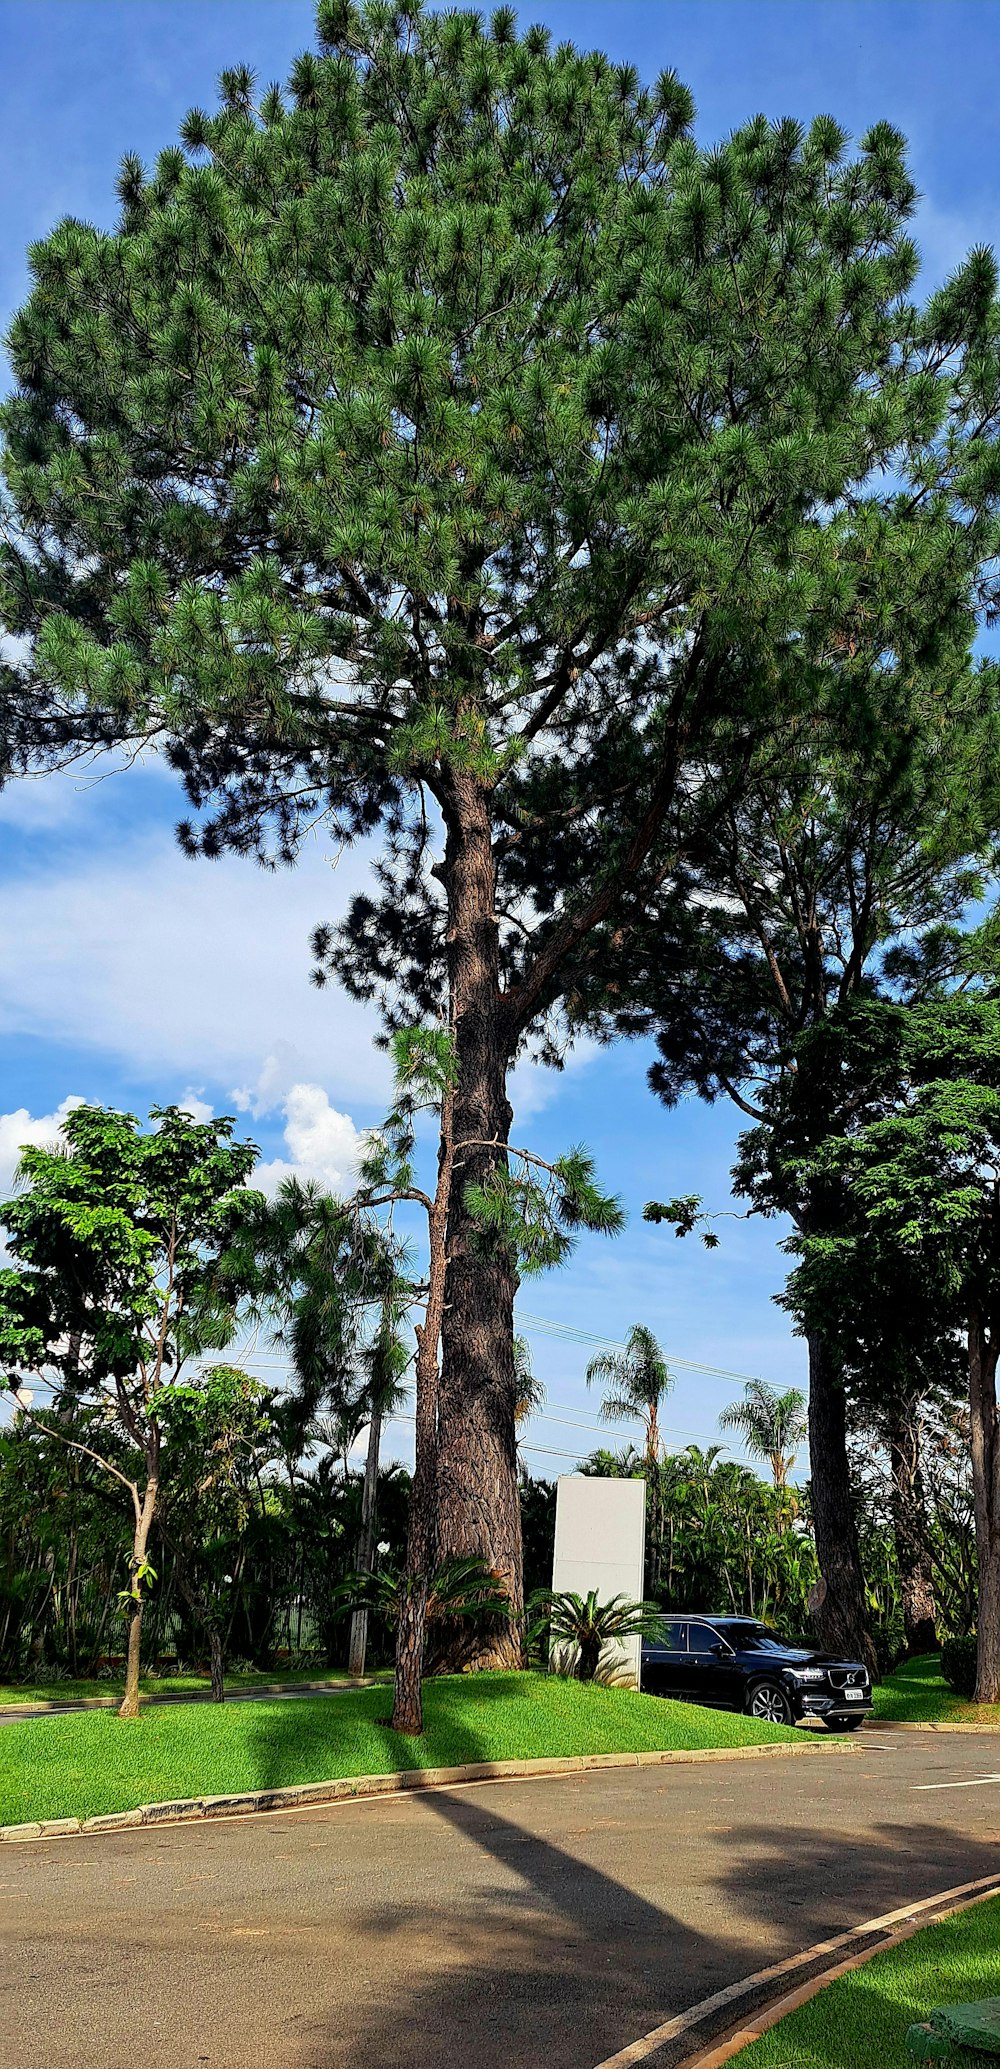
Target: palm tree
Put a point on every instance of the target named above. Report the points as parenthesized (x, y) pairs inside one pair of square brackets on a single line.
[(590, 1625), (639, 1381), (384, 1362), (770, 1425)]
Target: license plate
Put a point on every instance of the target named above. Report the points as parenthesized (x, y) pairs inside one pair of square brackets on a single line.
[(854, 1695)]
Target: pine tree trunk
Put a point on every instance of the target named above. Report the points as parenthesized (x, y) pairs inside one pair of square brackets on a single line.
[(366, 1544), (983, 1349), (841, 1617), (479, 1511), (909, 1523), (129, 1706)]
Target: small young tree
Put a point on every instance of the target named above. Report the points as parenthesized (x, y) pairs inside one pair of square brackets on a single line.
[(531, 1210), (119, 1239)]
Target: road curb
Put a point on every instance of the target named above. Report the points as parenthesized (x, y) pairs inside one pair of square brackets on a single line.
[(901, 1724), (882, 1933), (183, 1810), (721, 2052)]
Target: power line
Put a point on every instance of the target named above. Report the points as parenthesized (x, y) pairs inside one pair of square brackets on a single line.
[(540, 1325)]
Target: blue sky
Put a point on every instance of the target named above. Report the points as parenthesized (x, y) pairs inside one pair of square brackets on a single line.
[(130, 975)]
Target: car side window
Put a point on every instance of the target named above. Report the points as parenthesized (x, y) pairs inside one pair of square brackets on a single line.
[(672, 1638), (702, 1638)]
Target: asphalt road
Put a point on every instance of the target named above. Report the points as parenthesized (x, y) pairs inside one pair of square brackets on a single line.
[(498, 1926)]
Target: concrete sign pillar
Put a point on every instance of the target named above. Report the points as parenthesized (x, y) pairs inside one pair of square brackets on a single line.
[(601, 1543)]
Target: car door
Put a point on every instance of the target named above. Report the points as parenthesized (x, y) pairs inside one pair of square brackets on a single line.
[(712, 1677), (664, 1661)]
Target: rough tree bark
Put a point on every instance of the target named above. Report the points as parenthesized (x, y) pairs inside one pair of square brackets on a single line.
[(145, 1510), (366, 1544), (984, 1348), (479, 1511), (841, 1619), (909, 1525)]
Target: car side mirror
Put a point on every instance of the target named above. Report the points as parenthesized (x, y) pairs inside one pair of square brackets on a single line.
[(721, 1649)]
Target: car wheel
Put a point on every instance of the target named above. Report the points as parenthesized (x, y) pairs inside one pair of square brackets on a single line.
[(769, 1702), (843, 1723)]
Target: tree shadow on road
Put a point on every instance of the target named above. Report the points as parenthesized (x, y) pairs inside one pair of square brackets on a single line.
[(548, 1959)]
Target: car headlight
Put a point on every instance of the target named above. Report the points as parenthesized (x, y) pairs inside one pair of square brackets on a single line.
[(808, 1674)]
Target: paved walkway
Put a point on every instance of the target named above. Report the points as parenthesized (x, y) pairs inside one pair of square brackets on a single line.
[(506, 1926), (10, 1713)]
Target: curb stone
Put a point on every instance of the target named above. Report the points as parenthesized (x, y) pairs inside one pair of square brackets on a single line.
[(910, 1724), (773, 2013), (188, 1808)]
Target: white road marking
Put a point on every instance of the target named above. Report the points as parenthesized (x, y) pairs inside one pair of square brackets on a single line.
[(982, 1782)]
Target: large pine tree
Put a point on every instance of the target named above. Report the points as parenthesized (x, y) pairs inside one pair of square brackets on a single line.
[(450, 445)]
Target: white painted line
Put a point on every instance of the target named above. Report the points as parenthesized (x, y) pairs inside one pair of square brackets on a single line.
[(638, 2050), (929, 1788)]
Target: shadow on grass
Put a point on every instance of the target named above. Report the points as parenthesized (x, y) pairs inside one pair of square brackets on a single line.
[(318, 1742)]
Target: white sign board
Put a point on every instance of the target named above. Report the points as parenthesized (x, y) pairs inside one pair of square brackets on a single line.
[(601, 1543)]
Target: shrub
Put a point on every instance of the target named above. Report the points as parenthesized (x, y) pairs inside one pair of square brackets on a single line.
[(958, 1665)]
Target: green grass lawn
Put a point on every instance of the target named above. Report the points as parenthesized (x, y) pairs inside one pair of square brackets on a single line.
[(862, 2019), (917, 1693), (69, 1691), (91, 1762)]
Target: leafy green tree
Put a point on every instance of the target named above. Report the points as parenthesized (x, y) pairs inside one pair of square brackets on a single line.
[(916, 1171), (448, 444), (768, 1422), (219, 1439), (844, 873), (120, 1241)]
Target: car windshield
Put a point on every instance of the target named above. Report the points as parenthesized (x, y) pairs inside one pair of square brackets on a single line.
[(752, 1638)]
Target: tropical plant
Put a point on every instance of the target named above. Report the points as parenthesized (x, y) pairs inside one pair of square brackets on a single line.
[(589, 1625), (769, 1424), (457, 1588)]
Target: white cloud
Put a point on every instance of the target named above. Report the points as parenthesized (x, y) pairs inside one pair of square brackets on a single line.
[(533, 1086), (198, 1108), (192, 971), (322, 1144), (20, 1128)]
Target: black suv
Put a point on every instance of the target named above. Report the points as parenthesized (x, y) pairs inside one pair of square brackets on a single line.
[(733, 1663)]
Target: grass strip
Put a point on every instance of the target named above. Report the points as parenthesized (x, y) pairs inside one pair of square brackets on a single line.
[(917, 1693), (91, 1762), (862, 2019)]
